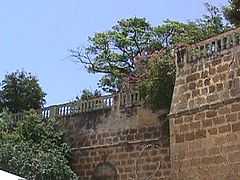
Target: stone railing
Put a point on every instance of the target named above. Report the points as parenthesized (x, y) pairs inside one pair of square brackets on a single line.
[(120, 100), (129, 99), (76, 107), (208, 48)]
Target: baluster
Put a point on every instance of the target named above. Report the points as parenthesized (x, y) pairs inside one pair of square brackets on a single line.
[(110, 101), (96, 104), (86, 106), (132, 98), (92, 105), (121, 99), (228, 42), (222, 44), (67, 110), (72, 108), (237, 38), (57, 111), (138, 97), (205, 50), (209, 50), (89, 105), (101, 105), (79, 107), (52, 112), (129, 98), (216, 46), (47, 114), (191, 57), (44, 114), (61, 111), (198, 52), (82, 105)]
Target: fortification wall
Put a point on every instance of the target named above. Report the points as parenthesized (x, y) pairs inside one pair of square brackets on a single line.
[(126, 138), (205, 112), (117, 137)]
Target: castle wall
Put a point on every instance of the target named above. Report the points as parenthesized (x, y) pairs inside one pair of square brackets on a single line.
[(205, 112), (130, 137)]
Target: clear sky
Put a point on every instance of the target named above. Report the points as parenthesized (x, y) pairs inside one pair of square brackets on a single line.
[(36, 35)]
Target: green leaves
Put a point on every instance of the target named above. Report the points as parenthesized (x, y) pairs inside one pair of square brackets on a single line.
[(20, 91), (113, 52), (158, 88), (34, 149), (232, 12)]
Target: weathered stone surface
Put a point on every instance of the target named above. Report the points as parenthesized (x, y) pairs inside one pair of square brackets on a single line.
[(210, 147)]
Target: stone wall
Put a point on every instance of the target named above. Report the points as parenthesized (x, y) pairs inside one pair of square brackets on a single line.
[(117, 137), (205, 112), (135, 153), (128, 136)]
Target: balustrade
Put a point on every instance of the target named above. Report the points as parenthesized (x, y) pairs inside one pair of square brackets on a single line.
[(98, 103), (209, 48), (215, 45)]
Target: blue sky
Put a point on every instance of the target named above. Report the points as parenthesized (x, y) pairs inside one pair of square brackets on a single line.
[(36, 35)]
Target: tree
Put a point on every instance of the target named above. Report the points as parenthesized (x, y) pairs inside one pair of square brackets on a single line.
[(21, 91), (157, 89), (34, 149), (113, 52), (232, 12), (88, 94), (116, 52)]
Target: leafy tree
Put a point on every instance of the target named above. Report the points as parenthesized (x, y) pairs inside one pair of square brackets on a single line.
[(158, 87), (232, 12), (21, 91), (34, 149), (88, 94), (113, 52), (212, 23)]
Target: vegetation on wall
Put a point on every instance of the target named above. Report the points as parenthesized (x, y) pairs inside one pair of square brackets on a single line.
[(115, 52), (88, 94), (158, 87), (34, 149)]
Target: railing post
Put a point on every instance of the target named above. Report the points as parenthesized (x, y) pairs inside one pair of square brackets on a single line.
[(234, 39), (228, 42), (53, 112), (222, 44)]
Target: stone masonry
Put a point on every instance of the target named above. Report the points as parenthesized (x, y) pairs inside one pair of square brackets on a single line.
[(205, 113), (117, 137), (123, 141)]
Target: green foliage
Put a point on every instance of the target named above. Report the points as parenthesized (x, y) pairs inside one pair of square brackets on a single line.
[(113, 52), (21, 91), (232, 12), (88, 94), (34, 149), (212, 23), (158, 87)]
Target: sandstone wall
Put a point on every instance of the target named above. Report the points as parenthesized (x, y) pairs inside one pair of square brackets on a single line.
[(130, 137), (205, 113)]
